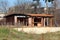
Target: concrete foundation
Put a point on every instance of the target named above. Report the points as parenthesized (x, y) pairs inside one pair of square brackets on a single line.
[(36, 30)]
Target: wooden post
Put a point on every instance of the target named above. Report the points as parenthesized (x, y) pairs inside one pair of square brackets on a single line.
[(26, 22), (30, 21), (51, 22), (15, 20), (42, 22), (47, 21), (23, 23)]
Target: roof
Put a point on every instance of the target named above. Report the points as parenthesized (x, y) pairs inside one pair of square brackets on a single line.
[(41, 15), (16, 14), (32, 15)]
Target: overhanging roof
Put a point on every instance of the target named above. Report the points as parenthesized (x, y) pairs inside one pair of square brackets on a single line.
[(31, 15), (16, 14), (41, 15)]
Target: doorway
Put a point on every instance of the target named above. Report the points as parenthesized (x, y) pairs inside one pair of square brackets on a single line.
[(22, 21), (36, 21)]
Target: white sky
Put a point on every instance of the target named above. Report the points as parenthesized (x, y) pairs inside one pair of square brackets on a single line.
[(11, 2)]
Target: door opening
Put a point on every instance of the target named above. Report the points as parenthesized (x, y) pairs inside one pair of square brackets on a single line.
[(36, 21)]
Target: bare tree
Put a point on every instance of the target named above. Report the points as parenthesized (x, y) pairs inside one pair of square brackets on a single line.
[(4, 6), (36, 6), (22, 6), (55, 13)]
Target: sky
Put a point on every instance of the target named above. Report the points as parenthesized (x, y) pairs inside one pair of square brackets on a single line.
[(11, 2)]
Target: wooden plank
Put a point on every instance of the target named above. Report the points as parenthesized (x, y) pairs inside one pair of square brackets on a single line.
[(15, 20), (42, 22), (51, 20)]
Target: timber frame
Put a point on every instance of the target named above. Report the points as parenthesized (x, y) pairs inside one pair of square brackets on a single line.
[(31, 20)]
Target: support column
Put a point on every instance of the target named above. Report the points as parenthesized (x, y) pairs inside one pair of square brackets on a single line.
[(26, 22), (51, 22), (15, 20), (47, 21), (30, 21), (44, 22)]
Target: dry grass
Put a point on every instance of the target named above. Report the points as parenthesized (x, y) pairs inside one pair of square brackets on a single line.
[(10, 34)]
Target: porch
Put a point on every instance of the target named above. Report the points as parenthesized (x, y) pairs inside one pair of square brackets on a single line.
[(30, 20)]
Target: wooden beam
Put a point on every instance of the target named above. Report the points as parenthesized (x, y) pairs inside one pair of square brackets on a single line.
[(42, 21), (26, 22), (47, 21), (30, 21), (33, 22), (51, 22), (15, 20)]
